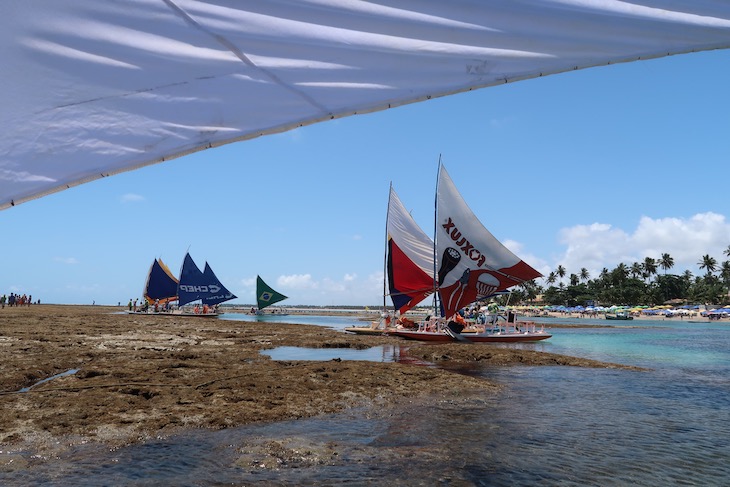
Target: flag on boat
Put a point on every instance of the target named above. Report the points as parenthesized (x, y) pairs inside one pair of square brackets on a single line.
[(409, 257), (472, 263), (265, 295)]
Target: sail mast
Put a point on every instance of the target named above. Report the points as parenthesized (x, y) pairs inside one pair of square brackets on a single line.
[(385, 251), (435, 226)]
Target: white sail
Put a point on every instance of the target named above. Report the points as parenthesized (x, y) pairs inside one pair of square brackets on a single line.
[(92, 88), (472, 263), (410, 257)]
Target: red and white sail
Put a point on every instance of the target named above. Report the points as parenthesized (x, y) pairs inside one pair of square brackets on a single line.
[(472, 263), (409, 257)]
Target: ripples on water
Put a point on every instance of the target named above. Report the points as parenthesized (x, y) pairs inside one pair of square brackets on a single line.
[(549, 426)]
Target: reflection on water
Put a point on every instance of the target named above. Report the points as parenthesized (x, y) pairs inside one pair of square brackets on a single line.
[(332, 321), (547, 426), (382, 353)]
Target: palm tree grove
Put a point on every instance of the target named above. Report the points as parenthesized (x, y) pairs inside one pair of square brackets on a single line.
[(647, 282)]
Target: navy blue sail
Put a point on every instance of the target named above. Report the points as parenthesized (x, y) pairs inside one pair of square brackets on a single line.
[(216, 297), (161, 285), (192, 286), (198, 286)]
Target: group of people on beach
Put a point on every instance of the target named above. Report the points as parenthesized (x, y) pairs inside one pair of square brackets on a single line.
[(16, 300), (145, 306)]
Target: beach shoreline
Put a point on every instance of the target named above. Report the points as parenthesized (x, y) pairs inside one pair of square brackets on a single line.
[(120, 378)]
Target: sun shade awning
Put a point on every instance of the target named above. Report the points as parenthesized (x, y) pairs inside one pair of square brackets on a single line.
[(91, 88)]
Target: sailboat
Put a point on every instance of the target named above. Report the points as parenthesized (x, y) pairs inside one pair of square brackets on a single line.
[(472, 265), (408, 266), (266, 296), (205, 287), (160, 289), (161, 285), (218, 292)]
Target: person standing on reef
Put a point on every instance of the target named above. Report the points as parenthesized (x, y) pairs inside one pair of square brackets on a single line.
[(3, 298), (130, 304)]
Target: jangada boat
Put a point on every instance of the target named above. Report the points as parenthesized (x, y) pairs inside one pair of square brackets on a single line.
[(202, 288), (266, 296), (161, 285), (512, 331), (408, 266), (472, 265)]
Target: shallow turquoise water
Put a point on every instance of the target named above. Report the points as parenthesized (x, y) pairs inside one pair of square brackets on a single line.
[(548, 426)]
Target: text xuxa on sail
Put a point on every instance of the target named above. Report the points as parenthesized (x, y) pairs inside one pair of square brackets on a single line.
[(472, 263)]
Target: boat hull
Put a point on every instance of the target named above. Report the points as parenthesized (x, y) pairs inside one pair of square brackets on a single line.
[(431, 336), (366, 330), (175, 314)]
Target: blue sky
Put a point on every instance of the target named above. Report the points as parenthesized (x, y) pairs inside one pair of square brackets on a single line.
[(584, 169)]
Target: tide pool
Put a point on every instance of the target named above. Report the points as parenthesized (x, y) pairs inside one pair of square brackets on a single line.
[(565, 426)]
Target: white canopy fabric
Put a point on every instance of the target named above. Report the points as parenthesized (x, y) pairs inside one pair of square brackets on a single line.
[(92, 88)]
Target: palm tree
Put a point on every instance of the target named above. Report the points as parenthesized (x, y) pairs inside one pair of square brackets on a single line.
[(584, 275), (622, 271), (725, 272), (551, 278), (666, 262), (560, 271), (574, 280), (727, 251), (636, 270), (708, 263), (649, 267)]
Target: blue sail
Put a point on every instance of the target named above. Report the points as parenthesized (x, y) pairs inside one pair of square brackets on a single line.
[(161, 285), (221, 295), (198, 286), (192, 282)]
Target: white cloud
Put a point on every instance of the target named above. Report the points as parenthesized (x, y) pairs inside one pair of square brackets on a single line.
[(297, 281), (248, 282), (132, 198), (686, 240), (67, 260), (330, 286), (305, 289)]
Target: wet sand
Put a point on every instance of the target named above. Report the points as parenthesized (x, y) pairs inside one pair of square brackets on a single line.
[(138, 377)]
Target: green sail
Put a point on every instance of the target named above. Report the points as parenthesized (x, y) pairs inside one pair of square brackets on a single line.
[(265, 296)]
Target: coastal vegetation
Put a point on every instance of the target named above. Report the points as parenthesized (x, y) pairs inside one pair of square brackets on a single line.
[(647, 282)]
